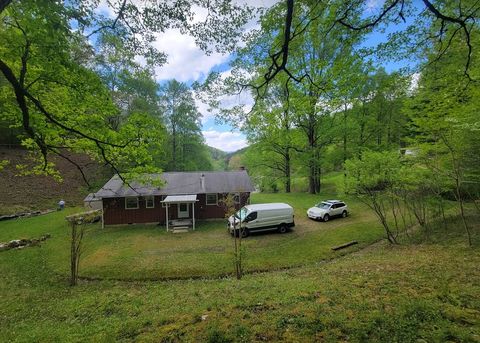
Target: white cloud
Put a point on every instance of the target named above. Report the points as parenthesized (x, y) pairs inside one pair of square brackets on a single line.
[(105, 9), (185, 61), (203, 109), (243, 99), (226, 141), (373, 5)]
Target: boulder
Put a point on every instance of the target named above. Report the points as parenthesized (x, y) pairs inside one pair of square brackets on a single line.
[(4, 246), (24, 241), (13, 244), (6, 217)]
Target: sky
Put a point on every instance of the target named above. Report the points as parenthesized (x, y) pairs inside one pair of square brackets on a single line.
[(188, 63)]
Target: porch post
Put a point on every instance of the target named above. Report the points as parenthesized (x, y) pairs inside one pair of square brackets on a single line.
[(193, 215), (166, 209)]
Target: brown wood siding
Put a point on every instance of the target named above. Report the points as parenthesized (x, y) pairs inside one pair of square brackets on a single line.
[(115, 212)]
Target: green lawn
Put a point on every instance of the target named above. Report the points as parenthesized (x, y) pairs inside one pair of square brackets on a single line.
[(149, 252), (427, 291)]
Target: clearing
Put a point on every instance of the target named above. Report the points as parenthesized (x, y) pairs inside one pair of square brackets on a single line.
[(428, 290)]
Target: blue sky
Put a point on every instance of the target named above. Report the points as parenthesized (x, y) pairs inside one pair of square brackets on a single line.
[(187, 63)]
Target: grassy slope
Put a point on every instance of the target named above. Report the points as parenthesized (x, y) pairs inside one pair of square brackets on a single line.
[(382, 293), (428, 291)]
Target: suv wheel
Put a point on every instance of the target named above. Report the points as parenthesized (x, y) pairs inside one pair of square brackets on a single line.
[(245, 232), (344, 214), (326, 218), (283, 228)]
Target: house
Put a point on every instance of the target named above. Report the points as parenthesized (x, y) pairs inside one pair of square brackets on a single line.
[(184, 197)]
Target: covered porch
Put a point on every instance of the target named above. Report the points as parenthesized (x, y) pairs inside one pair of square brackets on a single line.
[(186, 211)]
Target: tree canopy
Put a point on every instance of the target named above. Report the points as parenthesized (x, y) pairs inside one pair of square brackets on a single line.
[(72, 81)]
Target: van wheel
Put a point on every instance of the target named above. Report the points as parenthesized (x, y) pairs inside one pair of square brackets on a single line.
[(326, 218), (245, 232), (344, 214), (283, 228)]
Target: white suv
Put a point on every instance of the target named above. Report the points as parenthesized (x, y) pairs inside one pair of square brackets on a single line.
[(328, 209)]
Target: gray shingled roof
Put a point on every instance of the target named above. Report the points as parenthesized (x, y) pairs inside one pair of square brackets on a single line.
[(178, 183)]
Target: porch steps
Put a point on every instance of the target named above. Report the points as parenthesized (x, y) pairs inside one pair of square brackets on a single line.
[(180, 229)]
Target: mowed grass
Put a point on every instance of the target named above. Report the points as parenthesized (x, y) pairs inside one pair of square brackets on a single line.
[(140, 252), (408, 293), (423, 292)]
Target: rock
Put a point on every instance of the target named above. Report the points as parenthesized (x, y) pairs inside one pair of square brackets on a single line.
[(24, 241), (45, 237), (35, 243), (11, 216), (204, 317), (4, 246), (13, 244)]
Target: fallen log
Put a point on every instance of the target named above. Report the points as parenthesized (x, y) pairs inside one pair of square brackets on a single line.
[(345, 245)]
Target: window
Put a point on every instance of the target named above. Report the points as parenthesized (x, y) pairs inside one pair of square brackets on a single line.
[(323, 205), (236, 198), (131, 203), (150, 202), (183, 207), (212, 199), (251, 216)]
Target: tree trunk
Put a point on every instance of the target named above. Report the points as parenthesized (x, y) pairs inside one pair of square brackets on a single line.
[(313, 175), (345, 140), (174, 148), (462, 210), (73, 255), (287, 171)]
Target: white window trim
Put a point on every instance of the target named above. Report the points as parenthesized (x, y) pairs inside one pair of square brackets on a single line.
[(216, 199), (146, 201), (131, 208), (239, 198)]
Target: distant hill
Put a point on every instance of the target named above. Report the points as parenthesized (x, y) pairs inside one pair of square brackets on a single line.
[(234, 159), (223, 160), (218, 158)]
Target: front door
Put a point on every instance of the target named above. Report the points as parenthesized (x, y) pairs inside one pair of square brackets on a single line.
[(183, 210)]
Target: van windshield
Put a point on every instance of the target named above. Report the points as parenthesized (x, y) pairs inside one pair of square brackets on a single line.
[(323, 205), (241, 214)]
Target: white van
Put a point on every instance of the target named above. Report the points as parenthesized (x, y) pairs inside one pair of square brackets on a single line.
[(262, 217)]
